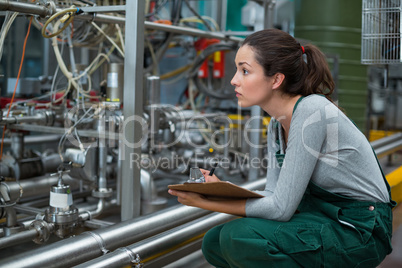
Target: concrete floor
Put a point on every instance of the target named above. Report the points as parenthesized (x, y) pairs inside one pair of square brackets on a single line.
[(394, 260)]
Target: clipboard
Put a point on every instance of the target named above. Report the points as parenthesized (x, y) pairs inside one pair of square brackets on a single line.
[(216, 189)]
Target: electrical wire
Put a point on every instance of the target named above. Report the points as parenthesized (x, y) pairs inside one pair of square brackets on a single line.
[(68, 17), (120, 36), (199, 60), (8, 21), (157, 7), (198, 15), (69, 131), (16, 85), (196, 20), (108, 38)]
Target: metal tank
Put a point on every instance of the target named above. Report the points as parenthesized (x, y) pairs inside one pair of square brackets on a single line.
[(335, 27)]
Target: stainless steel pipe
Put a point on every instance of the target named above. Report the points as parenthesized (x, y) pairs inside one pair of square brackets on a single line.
[(163, 242), (90, 245), (18, 238), (24, 8), (36, 139), (386, 140), (388, 148), (44, 11), (39, 186)]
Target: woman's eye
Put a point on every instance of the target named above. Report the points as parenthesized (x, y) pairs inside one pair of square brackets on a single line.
[(245, 71)]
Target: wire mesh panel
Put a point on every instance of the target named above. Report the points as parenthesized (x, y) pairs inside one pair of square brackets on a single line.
[(381, 31)]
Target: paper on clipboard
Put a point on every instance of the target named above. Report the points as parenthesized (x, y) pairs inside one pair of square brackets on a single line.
[(216, 189)]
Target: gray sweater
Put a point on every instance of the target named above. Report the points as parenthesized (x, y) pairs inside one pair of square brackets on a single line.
[(323, 146)]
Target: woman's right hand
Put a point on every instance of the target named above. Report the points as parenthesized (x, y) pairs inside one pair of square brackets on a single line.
[(208, 178)]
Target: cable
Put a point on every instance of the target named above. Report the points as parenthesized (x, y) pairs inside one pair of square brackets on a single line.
[(199, 60), (195, 19), (69, 131), (8, 21), (67, 19), (16, 85), (156, 9), (120, 36), (108, 38), (198, 15)]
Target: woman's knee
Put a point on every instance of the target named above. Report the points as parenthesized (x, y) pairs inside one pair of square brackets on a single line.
[(211, 239)]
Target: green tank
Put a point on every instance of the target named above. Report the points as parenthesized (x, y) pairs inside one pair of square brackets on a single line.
[(335, 27)]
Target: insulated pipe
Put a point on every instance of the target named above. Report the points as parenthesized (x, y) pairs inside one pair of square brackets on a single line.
[(162, 243), (90, 245)]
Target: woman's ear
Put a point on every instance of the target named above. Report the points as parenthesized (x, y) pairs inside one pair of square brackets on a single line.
[(278, 80)]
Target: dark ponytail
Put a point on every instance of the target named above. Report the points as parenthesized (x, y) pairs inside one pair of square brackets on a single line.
[(278, 52)]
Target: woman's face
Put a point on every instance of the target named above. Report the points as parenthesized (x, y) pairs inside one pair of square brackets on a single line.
[(251, 85)]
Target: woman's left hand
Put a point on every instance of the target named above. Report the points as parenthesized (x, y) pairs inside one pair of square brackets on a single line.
[(188, 198)]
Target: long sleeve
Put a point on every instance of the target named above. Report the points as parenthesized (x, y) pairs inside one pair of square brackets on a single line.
[(288, 183), (324, 147)]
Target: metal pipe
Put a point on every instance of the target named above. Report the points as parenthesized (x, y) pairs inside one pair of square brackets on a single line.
[(164, 242), (190, 31), (133, 107), (17, 145), (95, 213), (44, 11), (102, 154), (18, 238), (386, 140), (389, 148), (162, 27), (89, 245), (36, 139), (11, 217), (28, 210), (40, 117), (39, 186), (25, 8)]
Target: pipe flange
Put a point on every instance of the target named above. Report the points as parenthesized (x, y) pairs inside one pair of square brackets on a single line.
[(51, 6), (102, 193), (43, 229), (62, 217)]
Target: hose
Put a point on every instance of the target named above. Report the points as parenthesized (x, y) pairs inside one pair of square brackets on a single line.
[(67, 19), (198, 61)]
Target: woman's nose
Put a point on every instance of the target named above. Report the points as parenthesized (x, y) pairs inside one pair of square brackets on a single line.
[(234, 82)]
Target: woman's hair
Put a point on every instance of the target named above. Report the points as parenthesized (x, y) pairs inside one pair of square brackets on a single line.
[(278, 52)]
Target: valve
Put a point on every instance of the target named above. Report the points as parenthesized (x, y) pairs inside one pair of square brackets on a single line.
[(62, 212)]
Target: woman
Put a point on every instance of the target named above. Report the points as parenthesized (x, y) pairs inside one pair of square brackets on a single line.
[(327, 203)]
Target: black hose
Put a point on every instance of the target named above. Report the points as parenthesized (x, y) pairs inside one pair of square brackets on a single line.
[(211, 92)]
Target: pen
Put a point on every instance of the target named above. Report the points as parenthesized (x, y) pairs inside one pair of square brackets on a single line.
[(213, 169)]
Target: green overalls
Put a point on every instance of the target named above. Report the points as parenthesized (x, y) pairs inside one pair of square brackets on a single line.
[(327, 230)]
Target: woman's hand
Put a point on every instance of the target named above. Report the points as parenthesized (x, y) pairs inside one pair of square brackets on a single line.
[(208, 178), (188, 198)]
